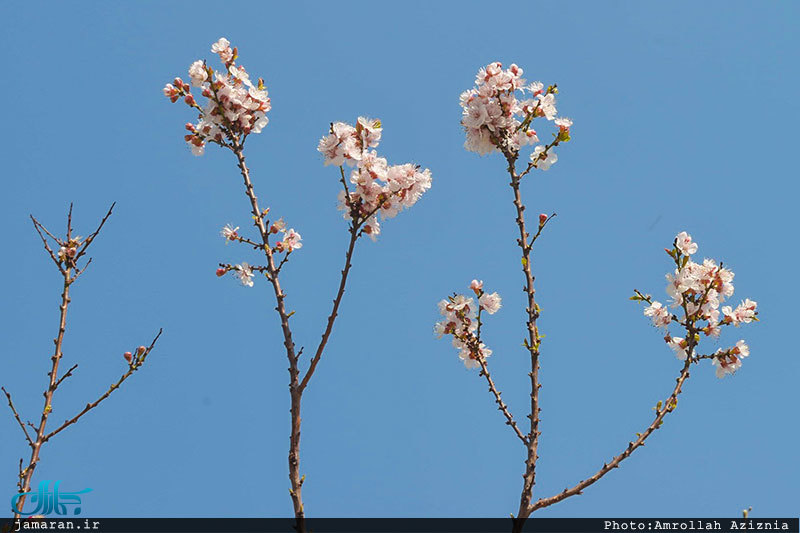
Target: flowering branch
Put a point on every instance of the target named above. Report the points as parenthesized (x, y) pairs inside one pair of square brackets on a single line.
[(496, 120), (236, 108), (70, 250)]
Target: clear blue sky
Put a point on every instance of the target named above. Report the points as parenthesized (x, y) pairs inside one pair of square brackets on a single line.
[(685, 119)]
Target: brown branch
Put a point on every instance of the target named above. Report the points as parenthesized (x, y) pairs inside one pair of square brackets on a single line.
[(501, 406), (48, 393), (94, 234), (89, 406), (69, 223), (39, 228), (237, 147), (336, 301), (256, 245), (532, 345), (65, 376), (20, 475), (16, 416), (70, 273), (668, 407)]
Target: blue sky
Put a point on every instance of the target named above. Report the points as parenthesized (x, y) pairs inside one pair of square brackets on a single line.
[(684, 120)]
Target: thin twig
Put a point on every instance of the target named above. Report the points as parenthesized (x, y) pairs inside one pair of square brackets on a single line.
[(95, 233), (89, 406), (68, 374), (336, 301), (16, 416), (39, 227), (501, 406)]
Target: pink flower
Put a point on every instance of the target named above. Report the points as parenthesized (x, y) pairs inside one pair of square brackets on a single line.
[(684, 243), (660, 315), (541, 159), (223, 48), (291, 240), (198, 73), (245, 274), (229, 233), (490, 303)]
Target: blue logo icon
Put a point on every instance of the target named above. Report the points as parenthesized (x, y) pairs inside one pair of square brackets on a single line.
[(48, 501)]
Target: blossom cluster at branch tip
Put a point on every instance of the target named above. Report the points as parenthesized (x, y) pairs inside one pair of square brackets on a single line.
[(499, 111), (378, 188), (697, 290), (235, 106), (69, 250), (461, 320)]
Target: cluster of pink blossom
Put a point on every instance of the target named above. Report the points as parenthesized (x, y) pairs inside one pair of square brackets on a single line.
[(235, 106), (698, 289), (461, 321), (379, 188), (290, 241), (68, 252), (496, 119)]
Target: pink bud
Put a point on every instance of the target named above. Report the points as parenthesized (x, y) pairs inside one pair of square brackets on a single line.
[(221, 272), (189, 126), (542, 219), (189, 99), (128, 356), (140, 350), (178, 82), (476, 286)]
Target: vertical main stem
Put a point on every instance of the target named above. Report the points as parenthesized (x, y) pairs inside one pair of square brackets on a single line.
[(533, 348), (36, 446), (294, 385)]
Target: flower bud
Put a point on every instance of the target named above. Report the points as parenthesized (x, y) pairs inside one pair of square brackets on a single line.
[(221, 272), (128, 356), (140, 350), (476, 286), (542, 219)]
